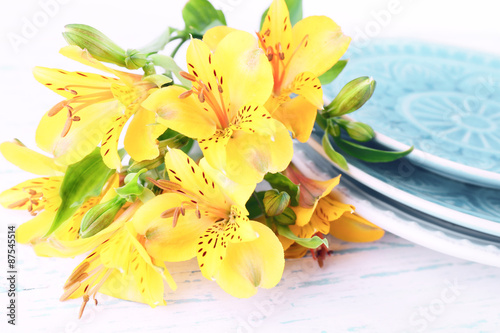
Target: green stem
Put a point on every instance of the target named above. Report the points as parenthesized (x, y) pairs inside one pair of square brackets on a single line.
[(174, 52)]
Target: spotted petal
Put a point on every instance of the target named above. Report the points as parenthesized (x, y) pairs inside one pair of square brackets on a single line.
[(277, 28), (307, 85), (246, 70)]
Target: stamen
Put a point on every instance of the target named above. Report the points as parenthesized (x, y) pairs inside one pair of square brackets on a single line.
[(185, 94), (201, 96), (19, 203), (187, 76), (76, 118), (82, 307), (56, 108), (67, 127)]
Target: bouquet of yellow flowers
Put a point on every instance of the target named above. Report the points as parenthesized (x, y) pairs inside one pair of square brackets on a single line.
[(197, 141)]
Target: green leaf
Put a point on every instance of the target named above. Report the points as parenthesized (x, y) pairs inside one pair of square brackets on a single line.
[(332, 154), (255, 205), (333, 72), (169, 64), (200, 15), (369, 154), (159, 43), (82, 181), (294, 10), (310, 243), (282, 183)]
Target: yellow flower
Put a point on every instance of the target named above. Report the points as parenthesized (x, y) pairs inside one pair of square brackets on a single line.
[(298, 56), (321, 211), (224, 111), (40, 196), (119, 267), (97, 108), (203, 215)]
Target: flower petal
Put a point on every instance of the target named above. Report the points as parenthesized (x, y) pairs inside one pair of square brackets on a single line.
[(215, 35), (327, 210), (142, 132), (277, 28), (185, 172), (319, 44), (298, 115), (251, 155), (84, 57), (29, 160), (185, 115), (35, 228), (249, 265), (215, 148), (83, 136), (72, 84), (247, 72), (311, 190), (238, 193), (354, 228), (163, 241), (307, 85), (43, 192)]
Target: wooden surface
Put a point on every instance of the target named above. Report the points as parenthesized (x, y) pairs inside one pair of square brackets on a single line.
[(388, 286)]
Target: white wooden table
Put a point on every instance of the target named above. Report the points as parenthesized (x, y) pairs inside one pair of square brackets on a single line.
[(387, 286)]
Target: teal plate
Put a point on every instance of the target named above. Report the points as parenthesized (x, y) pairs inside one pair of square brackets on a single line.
[(456, 202), (443, 101)]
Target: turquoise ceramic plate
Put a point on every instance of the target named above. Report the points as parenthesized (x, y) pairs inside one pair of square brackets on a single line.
[(401, 220), (444, 101), (460, 203)]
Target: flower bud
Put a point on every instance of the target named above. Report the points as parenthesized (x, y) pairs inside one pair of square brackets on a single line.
[(275, 202), (100, 217), (288, 217), (135, 59), (359, 131), (95, 42), (351, 97)]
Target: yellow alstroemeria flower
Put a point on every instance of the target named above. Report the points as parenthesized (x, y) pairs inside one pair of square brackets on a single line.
[(298, 56), (203, 215), (97, 108), (321, 211), (224, 111), (40, 196), (119, 267)]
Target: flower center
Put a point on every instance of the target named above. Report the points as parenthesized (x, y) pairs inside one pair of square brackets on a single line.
[(206, 95), (277, 58), (195, 201)]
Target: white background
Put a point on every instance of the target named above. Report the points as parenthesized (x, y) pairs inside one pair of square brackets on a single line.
[(373, 288)]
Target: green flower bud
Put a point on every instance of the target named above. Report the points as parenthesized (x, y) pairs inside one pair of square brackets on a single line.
[(99, 45), (351, 97), (275, 202), (100, 217), (288, 217), (359, 131), (135, 59)]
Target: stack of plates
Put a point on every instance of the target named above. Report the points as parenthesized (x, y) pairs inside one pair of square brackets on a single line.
[(446, 103)]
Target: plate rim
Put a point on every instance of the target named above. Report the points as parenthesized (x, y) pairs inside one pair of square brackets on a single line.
[(408, 199)]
